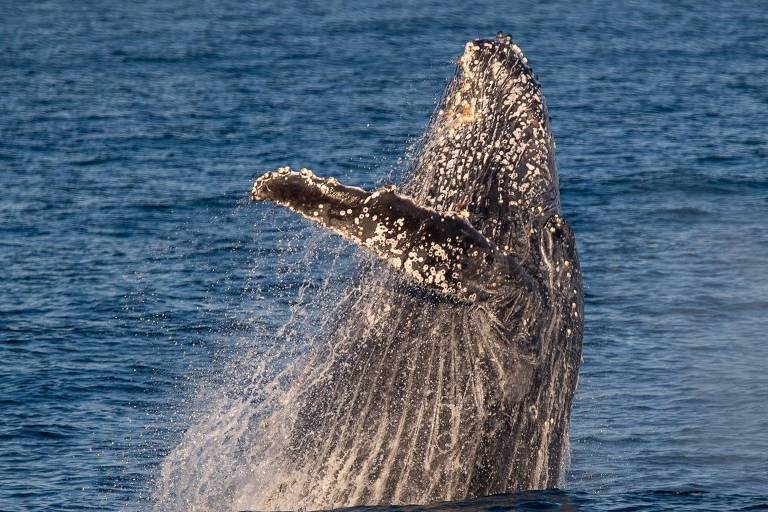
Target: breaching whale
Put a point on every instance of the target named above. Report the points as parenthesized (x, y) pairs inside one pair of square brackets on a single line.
[(452, 374), (452, 362)]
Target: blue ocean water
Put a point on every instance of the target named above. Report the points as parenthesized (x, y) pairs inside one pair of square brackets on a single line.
[(133, 270)]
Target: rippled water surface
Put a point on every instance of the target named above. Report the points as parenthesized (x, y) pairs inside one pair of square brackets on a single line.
[(133, 272)]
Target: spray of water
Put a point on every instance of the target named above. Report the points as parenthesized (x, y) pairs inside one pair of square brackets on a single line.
[(213, 462)]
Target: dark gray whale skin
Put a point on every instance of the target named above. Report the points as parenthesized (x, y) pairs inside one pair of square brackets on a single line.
[(452, 367)]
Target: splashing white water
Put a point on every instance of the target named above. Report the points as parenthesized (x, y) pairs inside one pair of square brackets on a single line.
[(228, 450)]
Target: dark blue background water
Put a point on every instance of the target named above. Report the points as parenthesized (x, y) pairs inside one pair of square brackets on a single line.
[(130, 133)]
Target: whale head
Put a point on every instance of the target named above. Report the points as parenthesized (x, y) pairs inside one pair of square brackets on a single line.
[(488, 152)]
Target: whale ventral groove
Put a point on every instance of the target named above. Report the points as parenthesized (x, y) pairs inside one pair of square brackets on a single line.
[(412, 400)]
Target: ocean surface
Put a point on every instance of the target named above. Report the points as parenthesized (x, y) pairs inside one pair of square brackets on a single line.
[(136, 278)]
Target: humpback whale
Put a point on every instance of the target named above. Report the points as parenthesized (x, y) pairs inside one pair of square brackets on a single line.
[(451, 375), (453, 358)]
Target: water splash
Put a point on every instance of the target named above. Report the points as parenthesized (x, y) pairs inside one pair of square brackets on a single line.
[(213, 462)]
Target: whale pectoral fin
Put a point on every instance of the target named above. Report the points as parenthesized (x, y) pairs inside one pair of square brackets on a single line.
[(443, 252)]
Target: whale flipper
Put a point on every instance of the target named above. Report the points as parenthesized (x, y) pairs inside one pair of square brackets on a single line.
[(441, 251)]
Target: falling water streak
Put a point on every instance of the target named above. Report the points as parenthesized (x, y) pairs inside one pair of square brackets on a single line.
[(225, 404)]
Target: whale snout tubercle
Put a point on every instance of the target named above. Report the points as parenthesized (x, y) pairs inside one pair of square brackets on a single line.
[(482, 52)]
